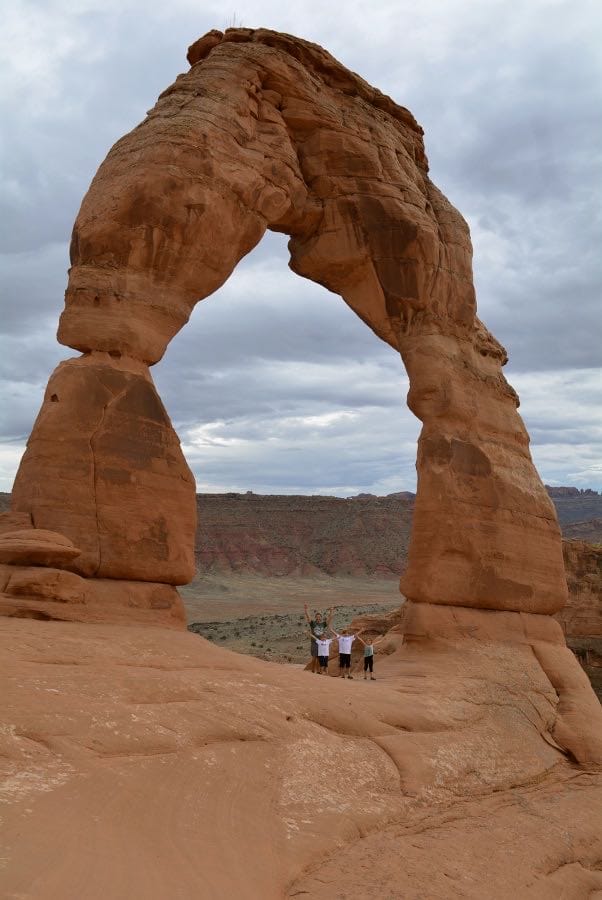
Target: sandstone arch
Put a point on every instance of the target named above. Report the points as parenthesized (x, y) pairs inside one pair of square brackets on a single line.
[(267, 131)]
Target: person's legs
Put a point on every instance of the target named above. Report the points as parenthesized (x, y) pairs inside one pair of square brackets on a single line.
[(348, 665), (371, 663), (341, 665), (365, 667), (315, 665)]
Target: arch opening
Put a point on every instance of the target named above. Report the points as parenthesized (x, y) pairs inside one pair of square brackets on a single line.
[(275, 386)]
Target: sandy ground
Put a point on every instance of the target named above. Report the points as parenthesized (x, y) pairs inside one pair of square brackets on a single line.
[(264, 617)]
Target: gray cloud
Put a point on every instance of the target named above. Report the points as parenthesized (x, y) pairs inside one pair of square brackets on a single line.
[(275, 385)]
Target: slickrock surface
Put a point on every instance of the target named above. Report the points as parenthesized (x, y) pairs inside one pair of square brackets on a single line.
[(139, 762), (269, 131)]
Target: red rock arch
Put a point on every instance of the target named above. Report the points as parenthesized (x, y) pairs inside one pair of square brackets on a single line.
[(268, 131)]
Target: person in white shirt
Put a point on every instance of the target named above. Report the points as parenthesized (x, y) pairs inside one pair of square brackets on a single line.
[(317, 626), (323, 645), (345, 639)]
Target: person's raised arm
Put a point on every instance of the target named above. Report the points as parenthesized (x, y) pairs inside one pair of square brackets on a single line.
[(307, 619), (329, 618), (360, 639), (380, 639)]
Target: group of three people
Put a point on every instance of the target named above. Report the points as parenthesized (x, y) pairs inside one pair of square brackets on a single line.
[(319, 626)]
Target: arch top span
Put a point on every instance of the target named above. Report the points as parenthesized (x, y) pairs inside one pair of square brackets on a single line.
[(264, 131), (267, 131)]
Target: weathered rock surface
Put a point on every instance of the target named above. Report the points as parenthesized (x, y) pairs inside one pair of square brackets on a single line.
[(300, 535), (581, 619), (12, 521), (104, 467), (582, 616), (53, 594), (142, 763), (37, 547), (269, 131)]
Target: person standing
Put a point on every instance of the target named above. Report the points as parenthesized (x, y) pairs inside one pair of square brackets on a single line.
[(323, 648), (345, 639), (369, 655), (317, 627)]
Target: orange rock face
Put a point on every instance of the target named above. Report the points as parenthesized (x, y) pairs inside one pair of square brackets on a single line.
[(268, 131), (582, 616), (36, 547), (103, 466)]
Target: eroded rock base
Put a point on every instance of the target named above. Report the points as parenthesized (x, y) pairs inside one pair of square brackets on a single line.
[(37, 592)]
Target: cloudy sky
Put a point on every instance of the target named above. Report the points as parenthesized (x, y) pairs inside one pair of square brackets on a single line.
[(275, 386)]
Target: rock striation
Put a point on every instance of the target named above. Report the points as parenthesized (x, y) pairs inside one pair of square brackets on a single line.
[(581, 619)]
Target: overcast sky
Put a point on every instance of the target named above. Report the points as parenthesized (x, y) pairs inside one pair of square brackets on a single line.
[(275, 386)]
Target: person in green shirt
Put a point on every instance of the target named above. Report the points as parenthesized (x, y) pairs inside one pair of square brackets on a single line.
[(318, 625)]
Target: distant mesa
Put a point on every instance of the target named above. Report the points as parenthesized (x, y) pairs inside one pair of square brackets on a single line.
[(570, 492)]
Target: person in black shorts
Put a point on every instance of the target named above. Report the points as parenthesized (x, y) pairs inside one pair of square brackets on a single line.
[(369, 655), (345, 639), (323, 648), (318, 626)]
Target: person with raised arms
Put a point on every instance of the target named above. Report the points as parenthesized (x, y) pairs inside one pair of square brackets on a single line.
[(369, 654), (345, 639), (323, 650), (317, 627)]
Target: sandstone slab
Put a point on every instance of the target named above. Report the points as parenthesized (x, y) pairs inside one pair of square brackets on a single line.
[(54, 594), (127, 753), (37, 547)]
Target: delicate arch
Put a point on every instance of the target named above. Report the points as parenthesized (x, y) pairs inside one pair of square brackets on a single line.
[(267, 131)]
